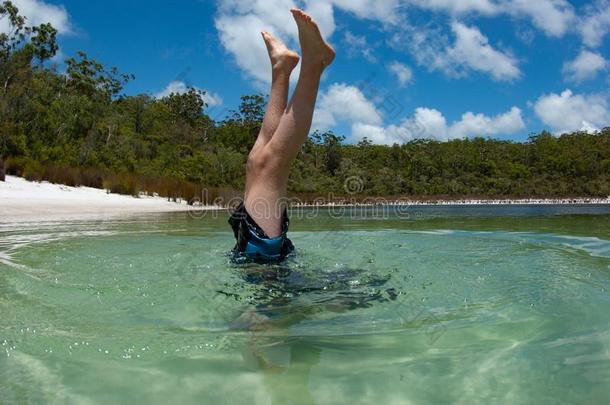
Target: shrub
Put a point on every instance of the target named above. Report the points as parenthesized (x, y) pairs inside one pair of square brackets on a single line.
[(33, 171), (15, 166), (120, 183), (123, 183)]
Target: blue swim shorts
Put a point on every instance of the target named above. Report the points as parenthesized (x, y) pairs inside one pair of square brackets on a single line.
[(253, 244)]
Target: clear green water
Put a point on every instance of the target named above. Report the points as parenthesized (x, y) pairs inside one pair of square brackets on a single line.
[(451, 305)]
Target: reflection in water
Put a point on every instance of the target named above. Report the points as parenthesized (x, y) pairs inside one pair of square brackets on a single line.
[(286, 364), (287, 297)]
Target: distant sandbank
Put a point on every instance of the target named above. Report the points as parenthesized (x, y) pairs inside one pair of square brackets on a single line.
[(408, 202)]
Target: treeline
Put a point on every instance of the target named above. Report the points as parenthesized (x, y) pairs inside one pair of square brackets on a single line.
[(76, 127)]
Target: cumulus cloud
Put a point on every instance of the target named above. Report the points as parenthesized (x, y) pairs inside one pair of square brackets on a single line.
[(375, 133), (480, 124), (586, 66), (240, 22), (567, 112), (38, 12), (470, 51), (403, 73), (240, 36), (596, 23), (344, 104), (179, 87), (432, 124)]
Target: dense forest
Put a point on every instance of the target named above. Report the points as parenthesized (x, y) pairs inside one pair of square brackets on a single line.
[(76, 127)]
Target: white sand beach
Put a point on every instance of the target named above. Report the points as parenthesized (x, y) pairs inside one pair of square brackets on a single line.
[(26, 200), (23, 200)]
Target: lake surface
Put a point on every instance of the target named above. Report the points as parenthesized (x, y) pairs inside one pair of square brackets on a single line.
[(385, 305)]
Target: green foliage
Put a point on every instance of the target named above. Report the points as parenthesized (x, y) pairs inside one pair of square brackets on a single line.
[(78, 129), (89, 77), (185, 107)]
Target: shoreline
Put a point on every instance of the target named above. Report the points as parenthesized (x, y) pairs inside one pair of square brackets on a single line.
[(23, 200), (473, 202)]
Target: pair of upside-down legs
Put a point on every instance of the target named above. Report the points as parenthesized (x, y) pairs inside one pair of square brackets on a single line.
[(285, 125)]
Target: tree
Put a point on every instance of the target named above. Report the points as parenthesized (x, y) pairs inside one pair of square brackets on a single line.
[(21, 44), (332, 151), (187, 107), (252, 109), (54, 124), (90, 77)]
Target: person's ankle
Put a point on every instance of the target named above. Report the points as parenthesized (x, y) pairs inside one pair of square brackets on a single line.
[(316, 67)]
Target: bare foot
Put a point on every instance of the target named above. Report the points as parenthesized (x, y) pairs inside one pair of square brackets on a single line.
[(316, 51), (281, 57)]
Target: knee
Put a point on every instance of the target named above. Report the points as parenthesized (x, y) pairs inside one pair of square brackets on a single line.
[(258, 163)]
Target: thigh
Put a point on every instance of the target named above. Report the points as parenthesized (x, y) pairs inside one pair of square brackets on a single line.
[(266, 184)]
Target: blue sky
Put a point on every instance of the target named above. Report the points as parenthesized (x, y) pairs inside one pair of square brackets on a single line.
[(405, 69)]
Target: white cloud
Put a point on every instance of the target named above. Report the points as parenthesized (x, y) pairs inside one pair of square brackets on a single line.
[(273, 13), (240, 36), (403, 73), (426, 123), (480, 125), (375, 133), (344, 104), (212, 99), (567, 112), (239, 24), (38, 12), (596, 23), (322, 12), (358, 45), (471, 51), (459, 7), (381, 135), (552, 16), (178, 87), (586, 66), (386, 11), (431, 124)]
